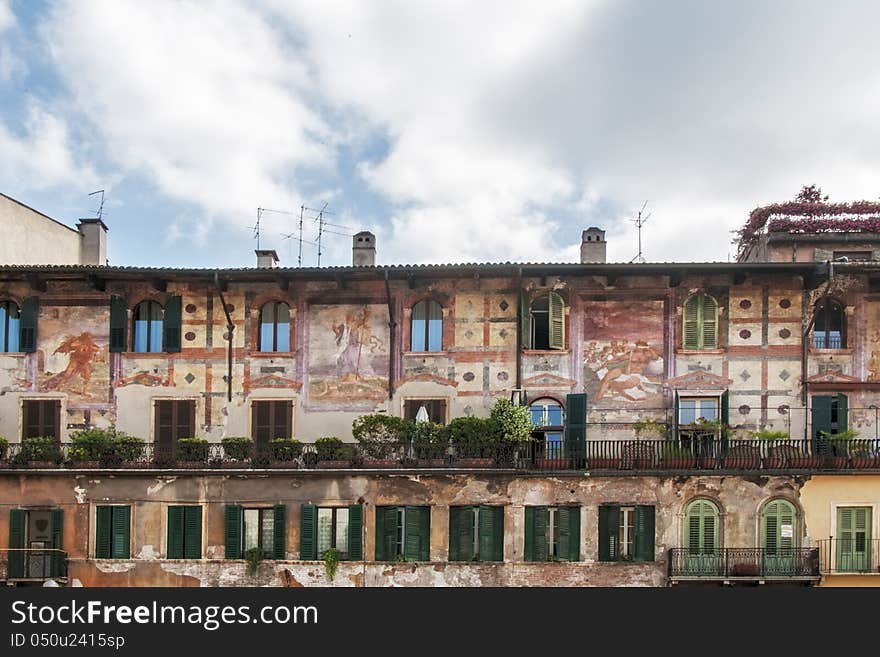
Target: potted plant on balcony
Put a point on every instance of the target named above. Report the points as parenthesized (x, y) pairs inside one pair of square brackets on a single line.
[(513, 423), (742, 456), (839, 447), (237, 451), (704, 437), (863, 454), (474, 441), (428, 446), (40, 452), (192, 452), (127, 451), (285, 452), (676, 457), (4, 451), (777, 455), (89, 448), (381, 439), (333, 453)]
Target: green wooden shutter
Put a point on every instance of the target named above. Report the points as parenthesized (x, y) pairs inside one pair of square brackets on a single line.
[(121, 527), (842, 412), (576, 425), (102, 532), (118, 325), (27, 325), (486, 532), (356, 532), (192, 532), (279, 529), (420, 526), (529, 539), (644, 539), (691, 329), (609, 533), (557, 321), (541, 520), (381, 550), (820, 415), (454, 530), (308, 532), (709, 323), (525, 320), (702, 528), (16, 543), (497, 553), (563, 544), (461, 536), (56, 530), (574, 533), (171, 324), (725, 419), (233, 531), (176, 540)]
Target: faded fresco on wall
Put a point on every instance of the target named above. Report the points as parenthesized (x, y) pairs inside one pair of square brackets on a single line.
[(75, 353), (348, 353), (623, 352)]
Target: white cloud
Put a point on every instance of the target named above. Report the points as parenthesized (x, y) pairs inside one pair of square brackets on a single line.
[(7, 18)]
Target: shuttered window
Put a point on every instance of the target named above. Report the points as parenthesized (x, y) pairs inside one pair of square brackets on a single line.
[(547, 323), (118, 325), (435, 408), (700, 322), (112, 532), (403, 533), (9, 326), (263, 528), (701, 527), (271, 420), (853, 552), (184, 532), (323, 528), (27, 327), (552, 533), (476, 533), (41, 417), (778, 527), (174, 419), (147, 320), (626, 533)]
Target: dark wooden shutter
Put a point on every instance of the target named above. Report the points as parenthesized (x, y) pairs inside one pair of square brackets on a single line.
[(233, 531), (356, 532), (171, 325), (56, 528), (709, 323), (690, 322), (308, 532), (609, 533), (27, 325), (386, 533), (557, 321), (283, 411), (820, 416), (644, 530), (576, 426), (121, 527), (725, 419), (525, 320), (176, 523), (842, 412), (103, 531), (17, 520), (529, 538), (118, 325), (279, 529), (164, 427), (192, 537)]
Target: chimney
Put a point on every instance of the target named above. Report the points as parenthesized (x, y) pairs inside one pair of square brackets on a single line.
[(266, 258), (93, 242), (592, 245), (363, 250)]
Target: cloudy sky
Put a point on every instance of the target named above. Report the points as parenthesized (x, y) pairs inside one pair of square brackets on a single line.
[(456, 131)]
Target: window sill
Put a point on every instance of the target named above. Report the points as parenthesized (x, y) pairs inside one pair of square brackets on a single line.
[(272, 354), (422, 354), (705, 352), (546, 352), (14, 354), (831, 352)]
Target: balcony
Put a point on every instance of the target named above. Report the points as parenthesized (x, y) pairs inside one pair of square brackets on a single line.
[(857, 556), (744, 565), (32, 565)]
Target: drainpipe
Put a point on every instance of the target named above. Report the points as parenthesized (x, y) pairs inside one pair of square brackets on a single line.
[(519, 323), (230, 328), (391, 327), (805, 337)]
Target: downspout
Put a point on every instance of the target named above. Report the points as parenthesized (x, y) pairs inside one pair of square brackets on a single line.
[(805, 337), (519, 323), (391, 326), (230, 328)]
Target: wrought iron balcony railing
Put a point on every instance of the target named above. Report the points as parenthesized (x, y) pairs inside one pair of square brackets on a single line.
[(749, 563), (32, 564), (849, 556)]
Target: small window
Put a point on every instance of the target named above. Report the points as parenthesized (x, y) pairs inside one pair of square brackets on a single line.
[(340, 528), (434, 410), (854, 552), (112, 532), (184, 532), (626, 533), (147, 327), (700, 322), (333, 530), (546, 413), (275, 327), (552, 533), (9, 326), (829, 330), (175, 419), (476, 533), (41, 417), (271, 420), (547, 421), (403, 532), (546, 323), (693, 409), (259, 530), (427, 326), (256, 528)]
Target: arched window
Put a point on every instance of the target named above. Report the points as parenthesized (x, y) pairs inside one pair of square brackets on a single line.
[(147, 327), (779, 537), (700, 322), (829, 330), (9, 325), (275, 326), (546, 328), (427, 326), (701, 538), (548, 426)]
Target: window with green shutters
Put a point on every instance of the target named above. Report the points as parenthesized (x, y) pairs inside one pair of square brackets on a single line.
[(626, 533), (778, 526), (545, 325), (853, 539), (118, 325), (476, 533), (37, 529), (701, 527), (336, 527), (112, 532), (700, 322), (184, 532), (403, 533), (27, 325), (552, 533), (262, 528)]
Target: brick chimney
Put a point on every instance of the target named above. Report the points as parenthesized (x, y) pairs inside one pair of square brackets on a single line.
[(593, 245), (363, 250), (93, 242), (266, 258)]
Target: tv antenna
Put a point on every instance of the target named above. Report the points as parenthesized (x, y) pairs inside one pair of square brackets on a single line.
[(640, 220), (321, 224), (256, 226), (100, 211)]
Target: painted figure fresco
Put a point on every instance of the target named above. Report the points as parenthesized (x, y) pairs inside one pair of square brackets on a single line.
[(623, 352), (81, 351), (75, 362), (348, 353)]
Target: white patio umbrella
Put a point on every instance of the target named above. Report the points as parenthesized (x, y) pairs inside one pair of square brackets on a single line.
[(422, 415)]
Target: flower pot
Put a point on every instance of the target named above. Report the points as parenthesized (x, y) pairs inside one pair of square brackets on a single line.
[(431, 463), (380, 463), (474, 462), (135, 465), (804, 461), (42, 464), (284, 465), (707, 462), (190, 465), (85, 464), (603, 464), (774, 462), (332, 465), (235, 465), (678, 462)]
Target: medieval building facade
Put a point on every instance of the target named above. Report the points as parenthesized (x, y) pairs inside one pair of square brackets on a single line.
[(692, 422)]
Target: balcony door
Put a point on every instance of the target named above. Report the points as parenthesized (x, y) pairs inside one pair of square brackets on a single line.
[(701, 539), (779, 538), (853, 552)]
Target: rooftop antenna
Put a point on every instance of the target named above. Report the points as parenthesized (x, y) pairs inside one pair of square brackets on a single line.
[(101, 206), (299, 258), (256, 227), (321, 222), (640, 220)]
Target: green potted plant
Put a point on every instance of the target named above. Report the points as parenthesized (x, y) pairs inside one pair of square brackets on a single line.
[(238, 450), (428, 446), (253, 557), (333, 453), (513, 424), (839, 447), (192, 452), (474, 441), (90, 448), (863, 453), (382, 438), (285, 452), (127, 451), (40, 452), (4, 451), (676, 457), (776, 454)]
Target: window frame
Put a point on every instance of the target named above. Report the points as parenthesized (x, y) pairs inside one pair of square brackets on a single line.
[(426, 346), (42, 403), (175, 423), (149, 328), (268, 552), (275, 332), (825, 308), (186, 507), (6, 305), (411, 401), (555, 318), (288, 414), (700, 321), (699, 408), (343, 556)]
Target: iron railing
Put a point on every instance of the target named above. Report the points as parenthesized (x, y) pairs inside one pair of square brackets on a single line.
[(858, 555), (32, 564), (752, 563)]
